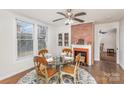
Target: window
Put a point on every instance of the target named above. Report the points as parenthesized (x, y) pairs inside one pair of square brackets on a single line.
[(66, 39), (60, 39), (63, 39), (42, 37), (24, 38)]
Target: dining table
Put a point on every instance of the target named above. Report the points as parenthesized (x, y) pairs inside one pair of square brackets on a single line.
[(58, 62)]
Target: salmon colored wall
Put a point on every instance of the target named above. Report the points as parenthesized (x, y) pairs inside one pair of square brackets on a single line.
[(81, 31)]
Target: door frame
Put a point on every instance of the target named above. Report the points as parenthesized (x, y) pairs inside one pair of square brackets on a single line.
[(117, 44)]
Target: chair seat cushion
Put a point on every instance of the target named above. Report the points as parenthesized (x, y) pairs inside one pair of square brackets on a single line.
[(51, 71), (68, 69)]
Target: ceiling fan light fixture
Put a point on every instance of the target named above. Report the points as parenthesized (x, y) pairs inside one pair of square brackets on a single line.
[(69, 22), (70, 17), (69, 14)]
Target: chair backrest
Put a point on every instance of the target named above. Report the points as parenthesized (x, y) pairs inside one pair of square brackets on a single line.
[(39, 63), (79, 58), (42, 52), (76, 67), (82, 59), (67, 50)]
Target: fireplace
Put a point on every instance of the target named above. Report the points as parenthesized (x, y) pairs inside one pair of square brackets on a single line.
[(81, 54), (84, 50)]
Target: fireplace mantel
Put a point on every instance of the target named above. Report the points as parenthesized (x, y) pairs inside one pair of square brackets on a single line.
[(88, 47), (81, 46)]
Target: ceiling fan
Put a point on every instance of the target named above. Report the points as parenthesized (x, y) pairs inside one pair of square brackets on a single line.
[(101, 32), (70, 16)]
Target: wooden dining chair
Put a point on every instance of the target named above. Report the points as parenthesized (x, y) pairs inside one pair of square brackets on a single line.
[(42, 52), (80, 59), (67, 50), (43, 70), (71, 70), (67, 54), (37, 62)]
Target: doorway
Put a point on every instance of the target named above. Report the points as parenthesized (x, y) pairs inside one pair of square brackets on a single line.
[(108, 46)]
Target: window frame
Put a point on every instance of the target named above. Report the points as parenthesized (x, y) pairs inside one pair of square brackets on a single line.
[(44, 35), (29, 55)]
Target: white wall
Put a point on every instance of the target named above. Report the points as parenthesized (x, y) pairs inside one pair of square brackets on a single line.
[(122, 43), (9, 64), (109, 40), (62, 29), (97, 38), (52, 40)]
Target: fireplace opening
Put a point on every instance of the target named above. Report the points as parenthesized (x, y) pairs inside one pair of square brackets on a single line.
[(82, 53)]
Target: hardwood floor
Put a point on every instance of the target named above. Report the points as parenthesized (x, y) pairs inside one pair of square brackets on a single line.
[(109, 57), (15, 78), (103, 72), (106, 72)]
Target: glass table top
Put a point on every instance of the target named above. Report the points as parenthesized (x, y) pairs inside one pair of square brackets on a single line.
[(58, 61)]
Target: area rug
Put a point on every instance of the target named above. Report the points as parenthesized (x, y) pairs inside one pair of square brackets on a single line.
[(32, 78)]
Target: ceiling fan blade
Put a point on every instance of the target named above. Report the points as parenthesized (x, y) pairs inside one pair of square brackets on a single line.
[(80, 14), (57, 19), (61, 14), (79, 20)]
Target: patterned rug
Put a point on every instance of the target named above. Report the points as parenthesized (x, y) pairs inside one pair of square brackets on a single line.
[(32, 78)]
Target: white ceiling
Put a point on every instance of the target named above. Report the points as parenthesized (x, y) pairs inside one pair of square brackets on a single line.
[(93, 15)]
